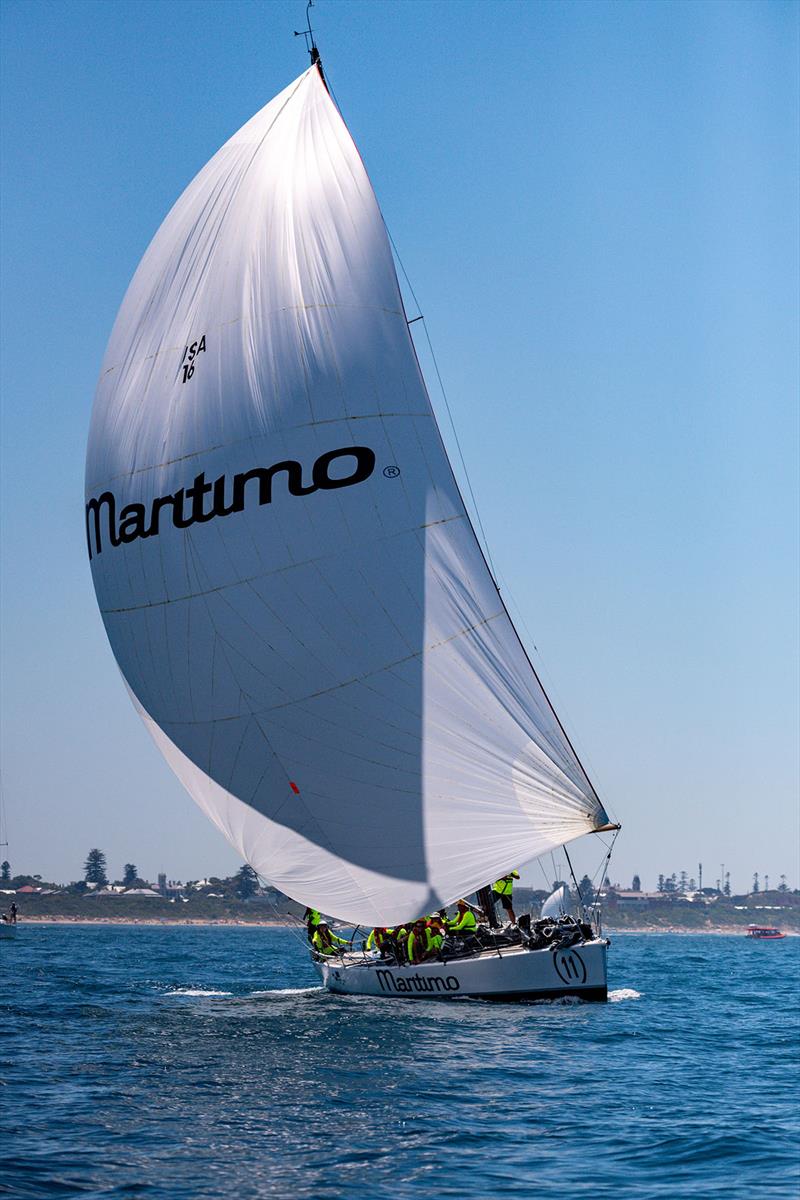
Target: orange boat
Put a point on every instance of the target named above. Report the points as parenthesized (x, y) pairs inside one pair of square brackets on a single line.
[(765, 933)]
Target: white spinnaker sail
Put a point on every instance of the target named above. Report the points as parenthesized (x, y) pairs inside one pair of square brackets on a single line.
[(285, 568), (558, 903)]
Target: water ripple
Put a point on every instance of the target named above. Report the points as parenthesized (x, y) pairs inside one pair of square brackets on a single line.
[(208, 1064)]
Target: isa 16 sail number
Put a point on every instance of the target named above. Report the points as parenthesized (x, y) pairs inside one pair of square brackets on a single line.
[(190, 353)]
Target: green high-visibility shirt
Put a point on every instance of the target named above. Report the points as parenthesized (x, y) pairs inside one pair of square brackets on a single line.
[(412, 941), (463, 923), (327, 946), (312, 916), (377, 936), (505, 886), (434, 940)]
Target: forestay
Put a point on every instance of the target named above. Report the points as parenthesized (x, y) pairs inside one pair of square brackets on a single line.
[(285, 568)]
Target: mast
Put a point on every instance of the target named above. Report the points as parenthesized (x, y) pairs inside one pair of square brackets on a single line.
[(311, 45), (486, 901)]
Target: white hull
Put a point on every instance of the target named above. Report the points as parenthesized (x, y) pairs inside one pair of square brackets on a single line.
[(511, 974)]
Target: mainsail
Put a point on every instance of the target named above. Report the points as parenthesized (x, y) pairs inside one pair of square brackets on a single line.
[(286, 571)]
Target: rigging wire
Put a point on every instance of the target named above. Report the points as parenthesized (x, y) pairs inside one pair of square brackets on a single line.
[(484, 545), (574, 880), (443, 390), (543, 670), (294, 921), (432, 352), (606, 861)]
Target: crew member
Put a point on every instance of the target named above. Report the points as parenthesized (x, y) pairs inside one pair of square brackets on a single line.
[(12, 914), (312, 919), (415, 946), (503, 890), (378, 939), (401, 943), (464, 920), (325, 942), (434, 931)]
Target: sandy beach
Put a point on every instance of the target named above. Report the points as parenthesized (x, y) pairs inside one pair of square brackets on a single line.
[(611, 931)]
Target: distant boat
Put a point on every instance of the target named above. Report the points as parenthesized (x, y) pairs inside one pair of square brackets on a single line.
[(765, 933), (291, 583)]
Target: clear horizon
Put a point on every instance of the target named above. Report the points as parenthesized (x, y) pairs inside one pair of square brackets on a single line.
[(602, 234)]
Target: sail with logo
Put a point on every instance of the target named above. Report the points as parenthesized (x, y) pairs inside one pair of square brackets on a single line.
[(286, 571)]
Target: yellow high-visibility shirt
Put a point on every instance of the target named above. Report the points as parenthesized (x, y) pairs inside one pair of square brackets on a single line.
[(329, 945), (434, 940), (505, 886), (464, 923)]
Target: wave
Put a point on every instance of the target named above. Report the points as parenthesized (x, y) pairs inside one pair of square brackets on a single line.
[(197, 992), (618, 994), (287, 991)]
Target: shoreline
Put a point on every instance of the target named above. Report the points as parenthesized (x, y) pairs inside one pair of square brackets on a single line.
[(716, 931), (273, 923), (261, 922)]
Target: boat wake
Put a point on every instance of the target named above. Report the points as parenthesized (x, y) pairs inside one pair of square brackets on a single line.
[(619, 994), (288, 991), (196, 992)]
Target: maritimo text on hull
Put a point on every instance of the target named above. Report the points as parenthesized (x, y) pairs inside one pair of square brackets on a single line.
[(287, 573)]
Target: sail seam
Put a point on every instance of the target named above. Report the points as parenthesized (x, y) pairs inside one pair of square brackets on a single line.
[(356, 678), (125, 362), (97, 485), (306, 562)]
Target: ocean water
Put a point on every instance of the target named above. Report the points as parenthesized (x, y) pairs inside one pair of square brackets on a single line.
[(171, 1062)]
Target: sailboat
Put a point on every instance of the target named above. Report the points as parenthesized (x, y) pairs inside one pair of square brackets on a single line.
[(289, 578)]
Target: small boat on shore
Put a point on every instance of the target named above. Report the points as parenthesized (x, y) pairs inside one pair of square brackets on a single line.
[(765, 933)]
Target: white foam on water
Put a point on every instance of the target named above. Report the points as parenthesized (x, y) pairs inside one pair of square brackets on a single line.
[(288, 991), (623, 994), (197, 992), (563, 1001)]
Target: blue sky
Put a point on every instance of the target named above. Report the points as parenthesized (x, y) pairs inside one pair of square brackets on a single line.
[(597, 206)]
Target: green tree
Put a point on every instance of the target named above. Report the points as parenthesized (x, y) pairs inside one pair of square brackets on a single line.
[(95, 868), (586, 889), (636, 886), (131, 875), (5, 872), (246, 882), (756, 888)]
